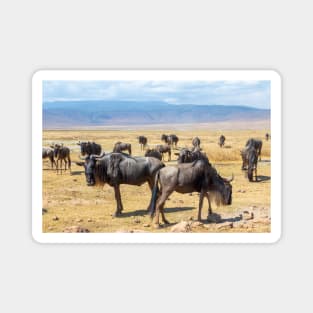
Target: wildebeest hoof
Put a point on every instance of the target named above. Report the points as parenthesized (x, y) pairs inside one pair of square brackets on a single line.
[(166, 222), (116, 214)]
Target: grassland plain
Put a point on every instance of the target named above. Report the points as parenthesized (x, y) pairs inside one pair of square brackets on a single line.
[(68, 201)]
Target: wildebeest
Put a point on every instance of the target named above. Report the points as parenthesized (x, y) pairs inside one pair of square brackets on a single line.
[(164, 149), (120, 168), (250, 161), (221, 141), (49, 153), (267, 136), (257, 144), (196, 142), (153, 153), (121, 146), (142, 141), (62, 153), (198, 176), (186, 155), (170, 139), (87, 148)]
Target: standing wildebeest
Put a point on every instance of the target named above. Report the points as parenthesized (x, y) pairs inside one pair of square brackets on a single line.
[(142, 141), (250, 159), (196, 142), (170, 139), (198, 176), (153, 153), (87, 148), (62, 153), (221, 141), (267, 136), (186, 155), (164, 149), (257, 144), (119, 168), (49, 153), (121, 146)]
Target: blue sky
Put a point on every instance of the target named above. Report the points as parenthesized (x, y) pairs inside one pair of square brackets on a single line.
[(249, 93)]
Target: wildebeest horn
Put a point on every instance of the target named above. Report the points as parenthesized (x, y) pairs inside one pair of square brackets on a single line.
[(229, 179), (95, 156), (83, 158)]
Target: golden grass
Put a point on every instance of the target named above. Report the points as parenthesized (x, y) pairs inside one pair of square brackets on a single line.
[(69, 201)]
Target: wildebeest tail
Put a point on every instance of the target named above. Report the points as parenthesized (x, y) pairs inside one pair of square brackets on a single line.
[(155, 192)]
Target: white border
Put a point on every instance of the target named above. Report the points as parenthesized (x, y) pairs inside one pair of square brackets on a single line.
[(42, 75)]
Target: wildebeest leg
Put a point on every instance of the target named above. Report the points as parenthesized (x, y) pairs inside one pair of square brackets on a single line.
[(209, 202), (200, 204), (150, 182), (119, 207), (169, 155), (165, 221), (69, 163), (256, 174), (65, 163), (159, 207)]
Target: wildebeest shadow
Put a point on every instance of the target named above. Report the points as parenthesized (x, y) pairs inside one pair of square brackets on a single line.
[(177, 209), (74, 173), (216, 218), (264, 161), (262, 178)]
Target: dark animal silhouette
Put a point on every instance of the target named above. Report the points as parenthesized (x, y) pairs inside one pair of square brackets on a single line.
[(164, 149), (87, 148), (49, 153), (153, 153), (196, 142), (119, 168), (221, 141), (142, 141), (121, 146), (267, 136), (186, 155), (171, 140), (198, 176), (62, 154), (250, 161), (257, 144)]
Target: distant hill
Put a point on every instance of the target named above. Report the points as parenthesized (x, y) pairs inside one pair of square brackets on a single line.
[(67, 114)]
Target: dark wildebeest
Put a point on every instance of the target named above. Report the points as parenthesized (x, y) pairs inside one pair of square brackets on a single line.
[(49, 153), (221, 141), (196, 142), (153, 153), (257, 144), (267, 136), (87, 148), (142, 141), (186, 155), (170, 139), (62, 153), (198, 176), (164, 149), (250, 161), (120, 168), (121, 146)]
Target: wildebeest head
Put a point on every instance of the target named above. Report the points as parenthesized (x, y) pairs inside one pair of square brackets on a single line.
[(56, 149), (89, 165), (221, 187)]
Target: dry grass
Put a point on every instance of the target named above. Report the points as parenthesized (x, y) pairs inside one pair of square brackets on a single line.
[(69, 201)]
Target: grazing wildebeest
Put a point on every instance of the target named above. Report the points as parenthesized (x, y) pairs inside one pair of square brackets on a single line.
[(153, 153), (49, 153), (221, 141), (120, 168), (186, 155), (164, 149), (62, 153), (267, 136), (198, 176), (196, 142), (250, 161), (257, 144), (170, 139), (121, 146), (142, 141), (87, 148)]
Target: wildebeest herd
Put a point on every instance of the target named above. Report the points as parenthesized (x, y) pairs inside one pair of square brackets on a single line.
[(192, 173)]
